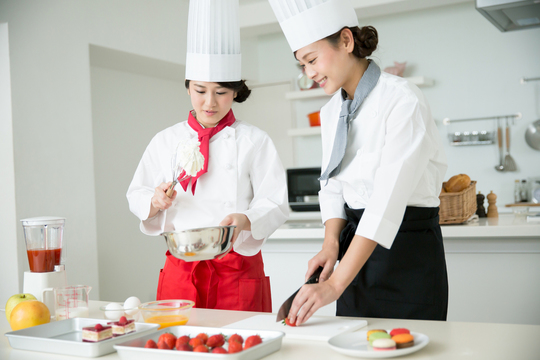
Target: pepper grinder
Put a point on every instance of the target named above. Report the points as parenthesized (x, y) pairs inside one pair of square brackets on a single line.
[(492, 211), (480, 209)]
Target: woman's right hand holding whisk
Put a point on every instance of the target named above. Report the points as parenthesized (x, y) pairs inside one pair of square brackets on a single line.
[(160, 201)]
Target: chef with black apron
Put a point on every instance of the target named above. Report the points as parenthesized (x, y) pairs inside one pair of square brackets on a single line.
[(382, 170)]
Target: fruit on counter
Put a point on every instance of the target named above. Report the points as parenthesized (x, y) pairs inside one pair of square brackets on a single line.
[(237, 338), (203, 337), (200, 348), (169, 338), (15, 300), (219, 350), (234, 347), (163, 345), (182, 340), (194, 342), (150, 344), (288, 322), (252, 341), (184, 347), (457, 183), (216, 341), (29, 313)]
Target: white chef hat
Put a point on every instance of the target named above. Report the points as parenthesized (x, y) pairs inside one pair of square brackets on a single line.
[(305, 21), (213, 43)]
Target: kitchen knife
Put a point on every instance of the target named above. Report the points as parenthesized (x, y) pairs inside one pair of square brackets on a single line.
[(286, 307)]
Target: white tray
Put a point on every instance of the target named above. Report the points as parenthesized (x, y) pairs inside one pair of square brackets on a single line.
[(356, 345), (65, 337), (135, 350)]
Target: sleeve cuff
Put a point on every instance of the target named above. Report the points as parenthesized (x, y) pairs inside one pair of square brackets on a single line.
[(246, 245), (377, 229)]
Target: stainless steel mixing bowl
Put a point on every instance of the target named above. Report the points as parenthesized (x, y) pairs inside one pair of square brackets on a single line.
[(199, 244)]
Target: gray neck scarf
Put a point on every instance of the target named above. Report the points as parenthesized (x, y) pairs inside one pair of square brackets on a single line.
[(349, 108)]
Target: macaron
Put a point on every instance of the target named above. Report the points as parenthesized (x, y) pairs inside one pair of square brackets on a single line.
[(378, 335), (403, 340), (399, 331), (373, 331), (384, 345)]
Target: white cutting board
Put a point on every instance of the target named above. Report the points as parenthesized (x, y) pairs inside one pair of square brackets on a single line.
[(316, 328)]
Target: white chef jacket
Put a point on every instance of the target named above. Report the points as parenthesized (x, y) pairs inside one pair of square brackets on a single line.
[(245, 175), (394, 159)]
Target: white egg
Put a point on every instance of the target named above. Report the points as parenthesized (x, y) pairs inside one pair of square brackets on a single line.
[(132, 302), (114, 311)]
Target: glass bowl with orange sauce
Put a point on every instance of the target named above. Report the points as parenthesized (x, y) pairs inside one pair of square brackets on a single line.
[(166, 312)]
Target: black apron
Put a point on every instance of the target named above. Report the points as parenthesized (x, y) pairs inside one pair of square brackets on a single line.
[(407, 281)]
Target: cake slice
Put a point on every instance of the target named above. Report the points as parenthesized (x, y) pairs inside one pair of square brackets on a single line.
[(96, 333), (122, 326)]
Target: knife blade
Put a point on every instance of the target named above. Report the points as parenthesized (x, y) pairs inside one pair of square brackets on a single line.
[(286, 307)]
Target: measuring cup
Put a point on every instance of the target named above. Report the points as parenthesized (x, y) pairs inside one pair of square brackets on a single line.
[(70, 301)]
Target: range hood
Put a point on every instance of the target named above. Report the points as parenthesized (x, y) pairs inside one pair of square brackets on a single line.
[(508, 15)]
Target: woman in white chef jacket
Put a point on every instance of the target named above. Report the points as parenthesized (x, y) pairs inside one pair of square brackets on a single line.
[(244, 184), (383, 167)]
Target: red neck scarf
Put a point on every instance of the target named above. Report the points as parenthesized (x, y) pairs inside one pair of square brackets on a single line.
[(205, 134)]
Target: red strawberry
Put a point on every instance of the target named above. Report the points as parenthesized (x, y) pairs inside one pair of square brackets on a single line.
[(215, 341), (288, 322), (195, 342), (184, 347), (163, 345), (234, 347), (203, 337), (98, 327), (200, 348), (169, 338), (182, 340), (151, 344), (237, 338), (122, 320), (219, 350), (252, 341)]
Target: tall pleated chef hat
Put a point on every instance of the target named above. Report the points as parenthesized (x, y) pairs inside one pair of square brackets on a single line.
[(213, 43), (305, 21)]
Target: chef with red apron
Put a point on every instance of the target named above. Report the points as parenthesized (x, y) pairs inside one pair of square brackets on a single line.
[(242, 182)]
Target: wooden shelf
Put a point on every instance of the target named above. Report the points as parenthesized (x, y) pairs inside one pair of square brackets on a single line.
[(419, 81), (308, 131)]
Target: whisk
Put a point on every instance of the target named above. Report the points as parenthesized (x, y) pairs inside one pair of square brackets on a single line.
[(178, 173)]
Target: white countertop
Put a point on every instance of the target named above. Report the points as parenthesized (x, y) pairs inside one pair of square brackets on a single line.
[(308, 226), (448, 340)]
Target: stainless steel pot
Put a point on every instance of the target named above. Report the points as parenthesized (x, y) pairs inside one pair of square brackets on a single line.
[(532, 135), (199, 244)]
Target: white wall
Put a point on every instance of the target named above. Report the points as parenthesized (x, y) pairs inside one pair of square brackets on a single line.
[(8, 262), (477, 72), (52, 121)]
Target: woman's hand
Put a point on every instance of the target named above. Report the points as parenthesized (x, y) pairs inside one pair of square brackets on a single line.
[(310, 298), (241, 222), (326, 258), (160, 200)]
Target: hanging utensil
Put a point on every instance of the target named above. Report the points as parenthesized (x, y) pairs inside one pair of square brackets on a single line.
[(500, 167), (532, 135), (178, 173), (509, 163)]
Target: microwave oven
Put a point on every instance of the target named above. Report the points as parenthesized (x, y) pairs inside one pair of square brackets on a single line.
[(303, 189)]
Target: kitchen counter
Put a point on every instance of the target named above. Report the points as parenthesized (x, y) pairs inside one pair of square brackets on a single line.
[(448, 340), (309, 226)]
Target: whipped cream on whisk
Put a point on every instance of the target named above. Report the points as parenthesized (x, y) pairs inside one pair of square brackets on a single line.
[(189, 157)]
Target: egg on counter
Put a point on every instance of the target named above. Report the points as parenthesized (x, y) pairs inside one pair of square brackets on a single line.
[(114, 311), (132, 303)]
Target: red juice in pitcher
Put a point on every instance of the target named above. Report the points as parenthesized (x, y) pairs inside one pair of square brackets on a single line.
[(43, 260)]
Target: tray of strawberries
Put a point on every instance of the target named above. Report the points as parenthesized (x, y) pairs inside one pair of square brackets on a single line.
[(197, 342)]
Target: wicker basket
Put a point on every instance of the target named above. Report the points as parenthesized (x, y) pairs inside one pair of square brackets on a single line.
[(457, 207)]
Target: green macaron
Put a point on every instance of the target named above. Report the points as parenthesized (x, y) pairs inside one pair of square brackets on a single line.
[(378, 335)]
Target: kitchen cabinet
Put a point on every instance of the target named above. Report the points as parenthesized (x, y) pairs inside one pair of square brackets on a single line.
[(492, 265)]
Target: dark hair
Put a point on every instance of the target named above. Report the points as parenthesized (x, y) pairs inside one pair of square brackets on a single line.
[(365, 40), (240, 87)]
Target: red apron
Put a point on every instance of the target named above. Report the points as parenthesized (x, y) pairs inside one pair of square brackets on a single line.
[(235, 282)]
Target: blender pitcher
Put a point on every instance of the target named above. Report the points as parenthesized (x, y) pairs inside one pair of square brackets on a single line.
[(70, 301), (45, 247)]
